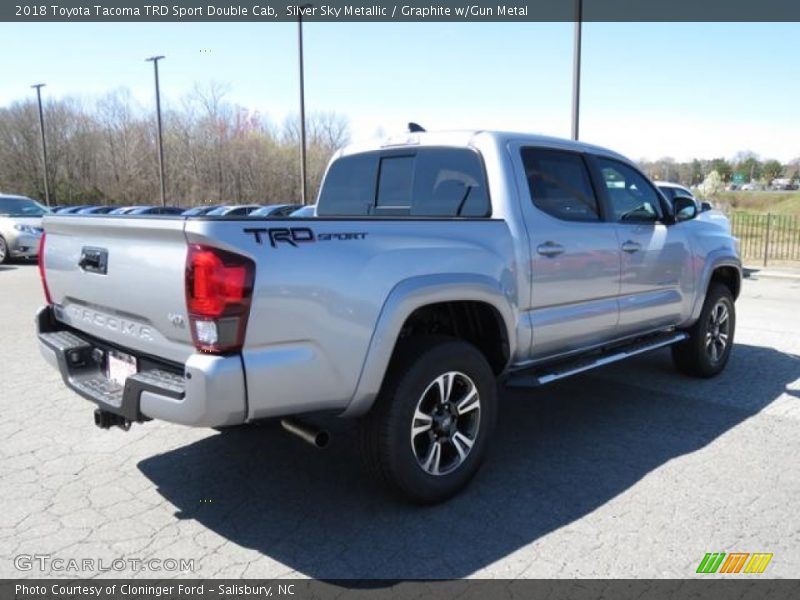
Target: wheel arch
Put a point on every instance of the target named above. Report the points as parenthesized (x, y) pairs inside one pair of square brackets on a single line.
[(728, 276), (465, 306), (722, 268)]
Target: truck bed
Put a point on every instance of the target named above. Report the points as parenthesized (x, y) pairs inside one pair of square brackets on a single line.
[(320, 287)]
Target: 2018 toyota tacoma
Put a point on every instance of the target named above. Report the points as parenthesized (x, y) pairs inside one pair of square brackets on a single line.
[(436, 266)]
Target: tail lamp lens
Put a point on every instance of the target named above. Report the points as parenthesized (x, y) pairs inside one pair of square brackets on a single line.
[(219, 285)]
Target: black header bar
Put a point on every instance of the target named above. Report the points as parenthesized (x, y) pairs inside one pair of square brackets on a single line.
[(401, 11)]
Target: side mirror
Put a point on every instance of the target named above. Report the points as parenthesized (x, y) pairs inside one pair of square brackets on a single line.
[(685, 208), (705, 205)]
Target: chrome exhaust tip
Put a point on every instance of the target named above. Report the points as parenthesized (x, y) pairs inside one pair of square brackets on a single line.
[(310, 434)]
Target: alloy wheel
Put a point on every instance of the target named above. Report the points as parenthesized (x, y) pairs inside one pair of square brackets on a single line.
[(445, 424), (718, 331)]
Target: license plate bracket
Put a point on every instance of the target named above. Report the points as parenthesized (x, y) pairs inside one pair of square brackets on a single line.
[(120, 366)]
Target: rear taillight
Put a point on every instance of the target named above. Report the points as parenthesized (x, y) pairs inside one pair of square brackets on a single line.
[(41, 269), (219, 285)]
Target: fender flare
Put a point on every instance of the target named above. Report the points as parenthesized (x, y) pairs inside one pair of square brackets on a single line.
[(406, 297), (714, 260)]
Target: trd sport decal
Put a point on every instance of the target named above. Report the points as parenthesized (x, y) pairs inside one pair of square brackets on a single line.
[(298, 235)]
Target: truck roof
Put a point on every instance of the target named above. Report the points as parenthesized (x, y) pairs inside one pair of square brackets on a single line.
[(463, 138)]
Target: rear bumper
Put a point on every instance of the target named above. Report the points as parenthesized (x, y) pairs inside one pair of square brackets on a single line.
[(207, 391)]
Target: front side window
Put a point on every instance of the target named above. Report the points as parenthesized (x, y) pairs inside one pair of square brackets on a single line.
[(559, 184), (631, 197)]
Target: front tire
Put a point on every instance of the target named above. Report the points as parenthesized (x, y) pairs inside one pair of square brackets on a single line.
[(710, 342), (4, 253), (428, 432)]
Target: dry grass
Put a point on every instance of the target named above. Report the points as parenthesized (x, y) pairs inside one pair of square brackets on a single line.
[(776, 203)]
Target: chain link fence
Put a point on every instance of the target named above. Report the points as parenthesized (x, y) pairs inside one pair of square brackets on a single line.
[(767, 237)]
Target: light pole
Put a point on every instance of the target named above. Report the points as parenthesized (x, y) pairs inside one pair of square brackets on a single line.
[(39, 87), (576, 70), (303, 192), (154, 60)]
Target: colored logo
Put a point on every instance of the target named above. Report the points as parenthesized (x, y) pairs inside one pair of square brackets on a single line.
[(735, 562)]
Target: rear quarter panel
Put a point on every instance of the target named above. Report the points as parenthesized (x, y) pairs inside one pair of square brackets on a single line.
[(316, 305)]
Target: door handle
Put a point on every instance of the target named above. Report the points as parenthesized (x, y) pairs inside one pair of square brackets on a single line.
[(631, 246), (550, 249)]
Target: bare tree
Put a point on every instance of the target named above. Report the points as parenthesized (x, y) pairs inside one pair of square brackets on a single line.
[(215, 151)]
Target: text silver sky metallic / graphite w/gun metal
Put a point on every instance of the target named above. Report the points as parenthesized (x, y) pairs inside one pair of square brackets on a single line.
[(436, 265)]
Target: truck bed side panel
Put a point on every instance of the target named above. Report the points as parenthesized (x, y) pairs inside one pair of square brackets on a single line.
[(317, 298)]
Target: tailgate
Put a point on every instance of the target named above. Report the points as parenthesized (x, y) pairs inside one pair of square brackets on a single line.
[(121, 279)]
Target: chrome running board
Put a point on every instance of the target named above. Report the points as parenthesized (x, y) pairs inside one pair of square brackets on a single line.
[(543, 374)]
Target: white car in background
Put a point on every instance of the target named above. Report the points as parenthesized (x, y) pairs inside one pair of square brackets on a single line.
[(752, 187), (705, 211), (20, 227)]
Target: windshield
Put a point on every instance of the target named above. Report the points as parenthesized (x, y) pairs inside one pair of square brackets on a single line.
[(197, 210), (306, 211), (21, 207), (218, 211), (264, 211)]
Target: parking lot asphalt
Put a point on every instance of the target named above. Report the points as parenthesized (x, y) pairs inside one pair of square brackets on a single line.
[(629, 471)]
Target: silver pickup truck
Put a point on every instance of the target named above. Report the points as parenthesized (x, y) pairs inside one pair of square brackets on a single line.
[(436, 266)]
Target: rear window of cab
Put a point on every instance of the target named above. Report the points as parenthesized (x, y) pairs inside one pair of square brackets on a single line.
[(418, 182)]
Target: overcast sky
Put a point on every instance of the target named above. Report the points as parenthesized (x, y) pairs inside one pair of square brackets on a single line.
[(649, 89)]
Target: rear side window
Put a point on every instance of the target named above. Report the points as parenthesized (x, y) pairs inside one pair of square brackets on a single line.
[(450, 182), (426, 182), (349, 186), (395, 182), (559, 184)]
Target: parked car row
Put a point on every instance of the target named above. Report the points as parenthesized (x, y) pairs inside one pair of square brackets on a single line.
[(783, 184), (216, 210), (21, 218), (776, 186)]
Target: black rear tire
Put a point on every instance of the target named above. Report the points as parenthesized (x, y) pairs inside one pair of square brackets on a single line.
[(710, 342), (431, 378)]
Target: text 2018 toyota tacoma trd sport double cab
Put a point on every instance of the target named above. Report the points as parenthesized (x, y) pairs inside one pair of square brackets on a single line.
[(437, 265)]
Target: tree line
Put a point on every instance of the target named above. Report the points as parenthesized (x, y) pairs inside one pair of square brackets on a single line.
[(105, 152), (745, 166), (215, 152)]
